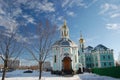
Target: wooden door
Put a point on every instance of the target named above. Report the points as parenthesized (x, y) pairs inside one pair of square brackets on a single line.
[(67, 64)]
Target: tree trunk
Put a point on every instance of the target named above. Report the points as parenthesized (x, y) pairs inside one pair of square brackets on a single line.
[(40, 70), (4, 70)]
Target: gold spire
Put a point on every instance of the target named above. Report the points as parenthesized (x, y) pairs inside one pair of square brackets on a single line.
[(65, 30), (81, 38), (64, 22), (64, 26)]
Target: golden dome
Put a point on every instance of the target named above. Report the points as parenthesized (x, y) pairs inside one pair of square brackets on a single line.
[(81, 39)]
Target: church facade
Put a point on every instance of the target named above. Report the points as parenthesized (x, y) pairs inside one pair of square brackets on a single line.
[(95, 57), (65, 54)]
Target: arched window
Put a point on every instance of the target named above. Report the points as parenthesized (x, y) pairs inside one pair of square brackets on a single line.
[(55, 58)]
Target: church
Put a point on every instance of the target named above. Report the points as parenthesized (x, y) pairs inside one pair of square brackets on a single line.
[(95, 57), (69, 58), (65, 54)]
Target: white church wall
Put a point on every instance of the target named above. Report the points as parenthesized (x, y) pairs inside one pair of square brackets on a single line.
[(55, 63), (75, 61)]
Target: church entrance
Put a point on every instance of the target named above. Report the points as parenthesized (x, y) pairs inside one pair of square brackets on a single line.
[(67, 69)]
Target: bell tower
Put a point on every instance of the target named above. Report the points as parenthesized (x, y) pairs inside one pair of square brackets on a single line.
[(81, 41)]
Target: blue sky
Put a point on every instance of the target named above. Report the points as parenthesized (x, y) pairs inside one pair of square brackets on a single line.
[(98, 20)]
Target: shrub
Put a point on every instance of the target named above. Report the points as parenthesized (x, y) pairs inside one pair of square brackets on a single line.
[(111, 71)]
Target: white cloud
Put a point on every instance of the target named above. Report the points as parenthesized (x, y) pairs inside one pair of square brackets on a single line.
[(72, 3), (115, 15), (79, 3), (65, 2), (22, 1), (21, 39), (60, 18), (114, 26), (1, 11), (70, 13), (104, 8), (90, 4), (8, 23), (108, 7), (43, 6), (7, 18), (17, 11), (29, 19), (10, 19), (47, 6)]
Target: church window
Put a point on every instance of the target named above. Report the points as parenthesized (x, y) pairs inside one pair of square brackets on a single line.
[(104, 64), (92, 65), (110, 63), (96, 64), (103, 57), (89, 59), (108, 56), (55, 58), (86, 59), (87, 65)]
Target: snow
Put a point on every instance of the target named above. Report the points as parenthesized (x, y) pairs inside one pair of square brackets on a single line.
[(19, 75)]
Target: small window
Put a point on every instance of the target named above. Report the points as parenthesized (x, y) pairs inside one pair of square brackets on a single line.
[(87, 65), (109, 63), (104, 64), (90, 65), (108, 56), (103, 57), (96, 64), (55, 58), (89, 59)]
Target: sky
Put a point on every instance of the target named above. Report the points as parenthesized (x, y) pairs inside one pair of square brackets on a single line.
[(97, 20)]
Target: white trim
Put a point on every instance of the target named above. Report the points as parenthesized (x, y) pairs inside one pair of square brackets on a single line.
[(98, 56)]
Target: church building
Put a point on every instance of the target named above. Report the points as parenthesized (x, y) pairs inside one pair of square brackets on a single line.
[(65, 54), (68, 58), (95, 57)]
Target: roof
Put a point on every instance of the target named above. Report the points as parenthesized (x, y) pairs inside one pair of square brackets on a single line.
[(65, 42), (89, 48), (100, 47)]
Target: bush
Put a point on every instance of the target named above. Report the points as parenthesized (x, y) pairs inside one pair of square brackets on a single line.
[(111, 71)]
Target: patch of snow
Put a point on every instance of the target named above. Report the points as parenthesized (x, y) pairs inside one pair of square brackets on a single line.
[(19, 75)]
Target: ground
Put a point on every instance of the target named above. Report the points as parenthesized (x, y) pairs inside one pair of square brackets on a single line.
[(19, 75)]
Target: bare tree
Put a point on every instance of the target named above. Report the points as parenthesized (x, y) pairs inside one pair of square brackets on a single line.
[(9, 48), (41, 46)]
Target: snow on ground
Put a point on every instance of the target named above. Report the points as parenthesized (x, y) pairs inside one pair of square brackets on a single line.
[(19, 75)]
